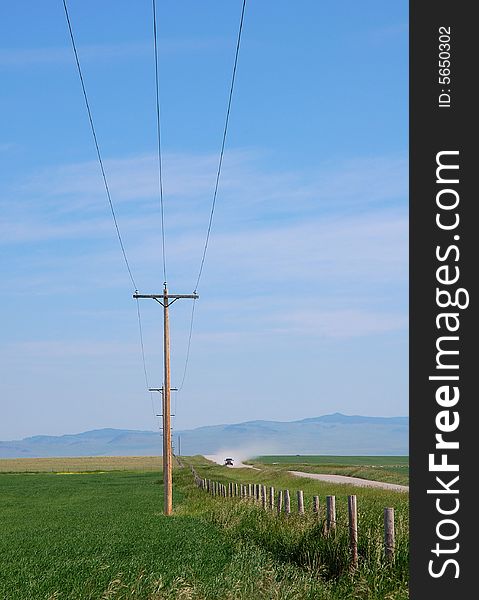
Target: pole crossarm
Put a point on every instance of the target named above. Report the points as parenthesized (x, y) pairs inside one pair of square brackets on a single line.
[(157, 296)]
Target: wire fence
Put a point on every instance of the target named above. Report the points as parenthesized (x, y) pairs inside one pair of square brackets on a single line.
[(280, 502)]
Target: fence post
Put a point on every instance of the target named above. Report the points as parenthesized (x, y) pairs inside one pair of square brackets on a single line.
[(236, 489), (389, 541), (300, 502), (316, 504), (287, 502), (258, 491), (331, 513), (263, 496), (279, 504), (271, 498), (353, 530), (249, 490)]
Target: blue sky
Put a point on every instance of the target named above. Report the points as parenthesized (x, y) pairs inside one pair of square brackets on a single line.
[(303, 301)]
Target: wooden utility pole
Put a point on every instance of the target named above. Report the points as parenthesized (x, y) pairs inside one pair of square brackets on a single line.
[(164, 300)]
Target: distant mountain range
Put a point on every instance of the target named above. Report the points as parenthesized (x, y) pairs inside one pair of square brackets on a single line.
[(335, 434)]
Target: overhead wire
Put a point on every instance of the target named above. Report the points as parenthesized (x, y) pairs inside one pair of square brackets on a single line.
[(158, 130), (107, 189), (92, 126), (215, 193), (160, 175), (220, 162), (145, 370), (188, 346)]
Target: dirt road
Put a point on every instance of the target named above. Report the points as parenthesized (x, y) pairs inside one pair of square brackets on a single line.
[(235, 465), (353, 481)]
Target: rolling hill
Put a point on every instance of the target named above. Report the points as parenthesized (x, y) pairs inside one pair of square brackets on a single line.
[(335, 434)]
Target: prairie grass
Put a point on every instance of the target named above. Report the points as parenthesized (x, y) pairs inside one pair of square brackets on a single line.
[(80, 464)]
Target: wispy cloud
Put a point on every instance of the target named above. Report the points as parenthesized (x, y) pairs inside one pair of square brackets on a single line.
[(57, 349), (344, 226), (250, 188), (339, 323), (59, 55)]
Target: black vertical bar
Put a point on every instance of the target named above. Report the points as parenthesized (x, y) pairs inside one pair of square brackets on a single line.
[(443, 118)]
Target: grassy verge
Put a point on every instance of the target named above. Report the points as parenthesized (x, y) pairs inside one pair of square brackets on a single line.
[(300, 540)]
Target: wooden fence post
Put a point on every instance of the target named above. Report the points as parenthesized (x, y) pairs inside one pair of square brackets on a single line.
[(331, 513), (316, 504), (271, 498), (264, 497), (353, 530), (287, 502), (258, 491), (236, 489), (389, 541), (249, 490), (279, 504), (300, 502)]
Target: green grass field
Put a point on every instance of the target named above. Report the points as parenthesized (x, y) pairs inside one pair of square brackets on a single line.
[(80, 464), (390, 469), (102, 536)]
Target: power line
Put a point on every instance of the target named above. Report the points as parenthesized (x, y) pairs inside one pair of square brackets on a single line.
[(158, 129), (107, 189), (218, 174), (225, 131), (145, 371), (189, 346)]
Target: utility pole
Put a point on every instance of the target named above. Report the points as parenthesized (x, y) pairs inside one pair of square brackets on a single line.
[(164, 300), (179, 445)]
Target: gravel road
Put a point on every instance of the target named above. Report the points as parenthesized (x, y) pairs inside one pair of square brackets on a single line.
[(353, 481)]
